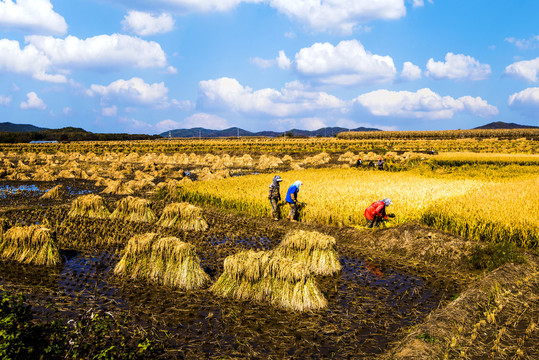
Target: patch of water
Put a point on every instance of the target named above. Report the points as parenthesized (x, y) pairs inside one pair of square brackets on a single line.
[(7, 190)]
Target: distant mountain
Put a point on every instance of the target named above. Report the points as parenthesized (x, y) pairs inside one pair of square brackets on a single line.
[(233, 132), (503, 125), (10, 127)]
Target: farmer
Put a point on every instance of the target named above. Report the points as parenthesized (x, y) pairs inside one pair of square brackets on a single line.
[(292, 199), (376, 212), (274, 196), (358, 162), (381, 164)]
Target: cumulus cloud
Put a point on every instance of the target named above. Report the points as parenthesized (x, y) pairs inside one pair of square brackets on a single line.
[(50, 59), (167, 125), (422, 104), (525, 44), (28, 61), (348, 63), (229, 95), (526, 70), (146, 24), (33, 102), (458, 67), (282, 61), (133, 91), (111, 111), (339, 15), (114, 51), (526, 101), (35, 16), (5, 100), (410, 72)]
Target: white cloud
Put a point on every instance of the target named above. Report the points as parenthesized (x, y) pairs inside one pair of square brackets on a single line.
[(229, 95), (339, 15), (410, 72), (132, 125), (111, 111), (525, 44), (134, 91), (282, 61), (419, 3), (5, 100), (114, 51), (207, 121), (526, 101), (28, 61), (526, 70), (422, 104), (262, 63), (50, 59), (185, 105), (458, 67), (67, 111), (35, 16), (33, 102), (348, 63), (145, 24)]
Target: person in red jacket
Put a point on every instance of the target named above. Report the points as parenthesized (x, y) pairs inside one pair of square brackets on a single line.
[(376, 212)]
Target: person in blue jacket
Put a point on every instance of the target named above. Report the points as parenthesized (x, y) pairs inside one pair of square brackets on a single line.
[(292, 199)]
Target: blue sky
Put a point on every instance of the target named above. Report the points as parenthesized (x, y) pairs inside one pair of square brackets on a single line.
[(126, 66)]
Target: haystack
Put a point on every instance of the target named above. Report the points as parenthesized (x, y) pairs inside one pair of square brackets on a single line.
[(43, 175), (30, 245), (315, 250), (55, 193), (134, 209), (165, 261), (90, 205), (183, 216), (117, 187), (266, 276)]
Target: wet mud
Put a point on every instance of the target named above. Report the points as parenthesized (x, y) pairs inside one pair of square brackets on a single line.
[(370, 302)]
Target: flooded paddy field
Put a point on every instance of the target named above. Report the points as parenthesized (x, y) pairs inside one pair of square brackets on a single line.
[(370, 302)]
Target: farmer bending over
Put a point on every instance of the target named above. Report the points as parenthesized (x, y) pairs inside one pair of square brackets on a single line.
[(274, 196), (376, 212), (292, 199)]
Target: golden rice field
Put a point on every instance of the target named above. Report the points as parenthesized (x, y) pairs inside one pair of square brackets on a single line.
[(477, 208)]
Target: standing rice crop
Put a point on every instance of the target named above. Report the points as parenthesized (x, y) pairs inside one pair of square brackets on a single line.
[(315, 250), (162, 260), (90, 205), (268, 277), (30, 245), (134, 209), (183, 216)]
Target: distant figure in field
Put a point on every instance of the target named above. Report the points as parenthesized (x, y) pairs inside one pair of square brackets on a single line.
[(274, 196), (359, 162), (292, 200), (371, 163), (381, 164), (375, 214)]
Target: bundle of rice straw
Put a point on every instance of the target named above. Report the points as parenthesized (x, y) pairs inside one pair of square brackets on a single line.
[(55, 193), (165, 261), (265, 276), (315, 250), (43, 175), (134, 209), (30, 245), (90, 205), (117, 187), (183, 216)]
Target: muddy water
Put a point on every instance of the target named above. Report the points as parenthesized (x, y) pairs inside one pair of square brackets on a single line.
[(368, 303)]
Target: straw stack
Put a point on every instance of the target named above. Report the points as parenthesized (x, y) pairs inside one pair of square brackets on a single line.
[(90, 205), (55, 193), (265, 276), (30, 245), (134, 209), (183, 216), (117, 187), (315, 250), (165, 261)]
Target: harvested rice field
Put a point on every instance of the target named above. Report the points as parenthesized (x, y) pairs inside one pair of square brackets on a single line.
[(136, 272)]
